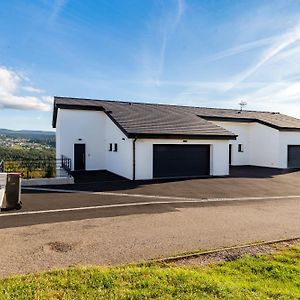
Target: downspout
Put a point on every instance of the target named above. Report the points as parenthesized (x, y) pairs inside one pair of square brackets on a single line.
[(133, 158)]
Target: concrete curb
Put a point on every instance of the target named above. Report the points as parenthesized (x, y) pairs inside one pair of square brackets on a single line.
[(47, 181)]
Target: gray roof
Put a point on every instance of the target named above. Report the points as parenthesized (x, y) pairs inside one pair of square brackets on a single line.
[(161, 120), (272, 119)]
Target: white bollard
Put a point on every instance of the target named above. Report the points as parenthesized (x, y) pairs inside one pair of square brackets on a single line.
[(3, 181)]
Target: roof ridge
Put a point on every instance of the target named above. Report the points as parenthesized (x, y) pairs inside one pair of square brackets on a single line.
[(165, 104)]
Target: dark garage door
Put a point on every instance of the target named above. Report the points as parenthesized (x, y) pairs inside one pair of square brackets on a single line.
[(180, 160), (294, 156)]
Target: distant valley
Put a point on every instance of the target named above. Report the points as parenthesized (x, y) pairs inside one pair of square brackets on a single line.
[(26, 144)]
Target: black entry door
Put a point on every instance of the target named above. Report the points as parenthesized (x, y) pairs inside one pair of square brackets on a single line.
[(181, 160), (79, 157), (230, 154), (294, 156)]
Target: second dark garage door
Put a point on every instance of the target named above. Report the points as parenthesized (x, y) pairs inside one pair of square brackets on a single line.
[(294, 156), (181, 160)]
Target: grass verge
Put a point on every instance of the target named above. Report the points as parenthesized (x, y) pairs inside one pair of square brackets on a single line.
[(272, 276)]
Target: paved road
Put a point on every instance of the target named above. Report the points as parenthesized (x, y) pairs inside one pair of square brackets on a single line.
[(115, 235), (146, 232)]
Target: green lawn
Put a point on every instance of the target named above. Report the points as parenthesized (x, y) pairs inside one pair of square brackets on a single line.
[(275, 276)]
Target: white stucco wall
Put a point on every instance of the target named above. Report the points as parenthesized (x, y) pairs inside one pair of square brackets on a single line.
[(243, 132), (287, 138), (89, 126), (119, 162), (96, 130), (260, 143), (264, 146), (144, 155)]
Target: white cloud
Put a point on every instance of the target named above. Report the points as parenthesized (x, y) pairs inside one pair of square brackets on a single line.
[(11, 83)]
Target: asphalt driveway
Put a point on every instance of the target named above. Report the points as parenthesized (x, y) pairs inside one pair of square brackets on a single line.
[(104, 199)]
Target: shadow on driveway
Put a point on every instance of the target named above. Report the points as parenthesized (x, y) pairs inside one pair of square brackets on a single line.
[(184, 187)]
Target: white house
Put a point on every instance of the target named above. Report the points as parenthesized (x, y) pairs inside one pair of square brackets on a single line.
[(146, 141)]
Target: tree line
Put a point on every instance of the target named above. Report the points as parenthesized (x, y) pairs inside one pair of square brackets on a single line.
[(11, 153)]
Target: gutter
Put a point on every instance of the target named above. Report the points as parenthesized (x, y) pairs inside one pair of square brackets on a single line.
[(181, 136), (133, 158)]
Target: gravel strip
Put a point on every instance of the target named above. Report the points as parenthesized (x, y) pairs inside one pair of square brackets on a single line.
[(233, 254)]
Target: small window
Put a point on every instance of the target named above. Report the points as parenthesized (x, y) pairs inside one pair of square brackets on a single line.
[(241, 148), (115, 147), (110, 147)]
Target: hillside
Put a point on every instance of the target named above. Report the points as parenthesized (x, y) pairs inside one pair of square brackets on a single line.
[(26, 144), (46, 138), (40, 137)]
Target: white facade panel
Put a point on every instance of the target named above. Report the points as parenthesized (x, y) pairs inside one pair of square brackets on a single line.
[(119, 162), (96, 130), (81, 127), (260, 144), (144, 155), (242, 130), (264, 146), (286, 139)]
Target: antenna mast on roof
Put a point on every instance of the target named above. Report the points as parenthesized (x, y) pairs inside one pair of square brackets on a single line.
[(242, 104)]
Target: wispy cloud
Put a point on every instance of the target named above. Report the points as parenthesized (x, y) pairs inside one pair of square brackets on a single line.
[(168, 30), (154, 62), (180, 11), (275, 88), (240, 49), (32, 89), (58, 6), (280, 44), (10, 84), (274, 96)]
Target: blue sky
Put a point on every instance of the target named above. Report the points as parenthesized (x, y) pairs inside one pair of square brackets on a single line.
[(192, 52)]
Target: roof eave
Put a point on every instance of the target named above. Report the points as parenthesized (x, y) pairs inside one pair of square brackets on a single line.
[(241, 120), (289, 129), (251, 120), (182, 136)]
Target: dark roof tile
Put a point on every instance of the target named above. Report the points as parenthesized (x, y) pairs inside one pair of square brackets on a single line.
[(161, 119)]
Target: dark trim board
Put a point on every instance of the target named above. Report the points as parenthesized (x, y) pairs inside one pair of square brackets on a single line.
[(181, 136)]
